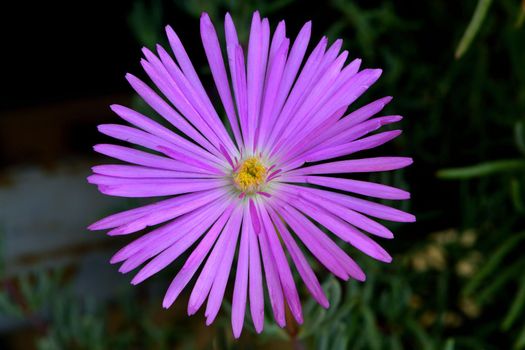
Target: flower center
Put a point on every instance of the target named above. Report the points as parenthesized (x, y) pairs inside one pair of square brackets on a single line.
[(250, 175)]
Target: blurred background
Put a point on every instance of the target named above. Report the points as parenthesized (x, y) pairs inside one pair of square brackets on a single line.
[(456, 70)]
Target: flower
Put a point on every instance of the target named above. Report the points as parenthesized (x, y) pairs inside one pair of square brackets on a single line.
[(257, 183)]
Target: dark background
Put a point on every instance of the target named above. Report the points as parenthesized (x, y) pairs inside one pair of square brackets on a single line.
[(456, 281)]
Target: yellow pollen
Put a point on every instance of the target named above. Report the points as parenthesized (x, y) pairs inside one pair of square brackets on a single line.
[(250, 175)]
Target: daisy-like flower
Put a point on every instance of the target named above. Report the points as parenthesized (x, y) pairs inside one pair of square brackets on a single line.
[(254, 186)]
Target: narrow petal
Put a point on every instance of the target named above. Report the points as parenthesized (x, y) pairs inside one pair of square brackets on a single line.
[(152, 142), (255, 279), (356, 117), (254, 217), (319, 245), (154, 242), (135, 171), (273, 81), (361, 205), (303, 267), (159, 187), (219, 283), (344, 231), (282, 266), (176, 208), (155, 128), (163, 80), (209, 272), (166, 111), (184, 61), (216, 62), (255, 74), (352, 217), (173, 252), (357, 166), (297, 94), (198, 100), (360, 187), (272, 279), (314, 96), (135, 156), (353, 147), (241, 279), (343, 97), (195, 259), (355, 132)]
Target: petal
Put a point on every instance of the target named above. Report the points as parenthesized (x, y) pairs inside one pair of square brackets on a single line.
[(135, 171), (272, 279), (282, 267), (173, 252), (159, 187), (344, 231), (195, 259), (219, 283), (216, 62), (168, 113), (302, 265), (155, 128), (363, 206), (360, 187), (364, 165), (241, 279), (209, 272), (255, 280), (151, 244)]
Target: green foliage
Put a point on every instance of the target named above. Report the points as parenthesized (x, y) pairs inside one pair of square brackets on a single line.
[(474, 26)]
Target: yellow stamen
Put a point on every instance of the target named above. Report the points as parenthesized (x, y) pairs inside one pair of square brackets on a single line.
[(250, 175)]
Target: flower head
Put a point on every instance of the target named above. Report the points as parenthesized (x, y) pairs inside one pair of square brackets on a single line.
[(256, 184)]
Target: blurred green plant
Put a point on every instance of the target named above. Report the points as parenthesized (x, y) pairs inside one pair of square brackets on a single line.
[(473, 27)]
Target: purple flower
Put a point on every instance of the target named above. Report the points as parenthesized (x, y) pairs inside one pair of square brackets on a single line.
[(256, 184)]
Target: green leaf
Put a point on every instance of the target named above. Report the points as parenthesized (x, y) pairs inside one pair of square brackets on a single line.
[(493, 263), (420, 334), (519, 136), (520, 340), (507, 274), (475, 24), (146, 22), (516, 195), (521, 15), (450, 344), (482, 169), (516, 307), (8, 307), (372, 333)]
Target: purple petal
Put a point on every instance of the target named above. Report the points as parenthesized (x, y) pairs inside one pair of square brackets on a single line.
[(357, 166), (254, 217), (241, 280), (360, 187), (155, 128), (344, 231), (209, 272), (159, 187), (363, 206), (255, 279), (303, 267), (161, 107), (219, 284), (216, 62), (272, 280), (282, 267), (195, 259)]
